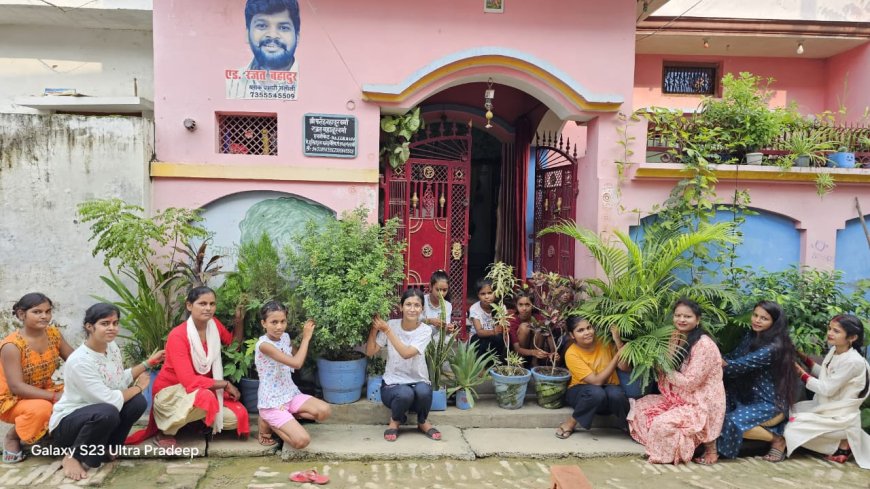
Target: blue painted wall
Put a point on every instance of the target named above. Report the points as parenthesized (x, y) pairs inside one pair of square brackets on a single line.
[(769, 241), (853, 254)]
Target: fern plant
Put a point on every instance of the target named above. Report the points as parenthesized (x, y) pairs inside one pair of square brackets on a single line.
[(640, 287)]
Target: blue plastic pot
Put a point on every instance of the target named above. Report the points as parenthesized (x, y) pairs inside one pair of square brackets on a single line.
[(462, 400), (248, 389), (439, 400), (373, 389), (842, 160), (341, 381), (632, 389), (510, 390)]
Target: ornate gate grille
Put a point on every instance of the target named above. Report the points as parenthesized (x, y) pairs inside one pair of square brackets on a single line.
[(555, 201), (430, 196)]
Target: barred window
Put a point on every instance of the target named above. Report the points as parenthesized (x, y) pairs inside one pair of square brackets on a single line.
[(689, 80), (248, 134)]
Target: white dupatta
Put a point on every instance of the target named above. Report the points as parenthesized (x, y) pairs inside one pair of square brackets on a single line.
[(203, 363)]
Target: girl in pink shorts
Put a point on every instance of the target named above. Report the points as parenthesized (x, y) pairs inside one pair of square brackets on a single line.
[(279, 400)]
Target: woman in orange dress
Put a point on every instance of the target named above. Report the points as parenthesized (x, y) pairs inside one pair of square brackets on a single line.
[(28, 359)]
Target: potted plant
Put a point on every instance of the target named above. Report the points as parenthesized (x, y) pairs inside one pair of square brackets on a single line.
[(805, 149), (640, 287), (347, 271), (375, 374), (238, 358), (744, 116), (555, 296), (510, 379), (469, 371), (437, 355)]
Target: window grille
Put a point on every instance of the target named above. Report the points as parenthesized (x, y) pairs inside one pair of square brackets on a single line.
[(248, 134), (689, 80)]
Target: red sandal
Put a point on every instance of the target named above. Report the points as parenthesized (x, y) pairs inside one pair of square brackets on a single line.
[(309, 475)]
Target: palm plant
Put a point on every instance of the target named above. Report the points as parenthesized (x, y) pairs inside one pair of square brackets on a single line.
[(640, 287)]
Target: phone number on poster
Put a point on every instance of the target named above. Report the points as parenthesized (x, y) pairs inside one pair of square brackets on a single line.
[(272, 95)]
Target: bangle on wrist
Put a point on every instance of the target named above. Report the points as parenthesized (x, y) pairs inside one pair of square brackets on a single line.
[(805, 377), (809, 361), (145, 365), (141, 390)]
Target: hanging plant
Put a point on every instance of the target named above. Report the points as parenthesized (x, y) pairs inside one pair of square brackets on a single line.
[(400, 129)]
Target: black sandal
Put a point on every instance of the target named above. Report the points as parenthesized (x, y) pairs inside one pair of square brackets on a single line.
[(840, 456)]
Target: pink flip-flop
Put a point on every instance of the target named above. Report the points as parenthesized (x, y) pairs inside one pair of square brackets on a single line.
[(310, 475)]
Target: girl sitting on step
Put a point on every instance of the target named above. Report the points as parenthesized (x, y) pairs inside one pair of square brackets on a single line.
[(830, 423), (279, 400), (28, 359), (405, 384), (594, 387), (101, 400)]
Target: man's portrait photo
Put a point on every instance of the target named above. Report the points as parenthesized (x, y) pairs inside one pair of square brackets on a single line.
[(272, 28)]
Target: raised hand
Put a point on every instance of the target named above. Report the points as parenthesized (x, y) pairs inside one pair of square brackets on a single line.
[(308, 329)]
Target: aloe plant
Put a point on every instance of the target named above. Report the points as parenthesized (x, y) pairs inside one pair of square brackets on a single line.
[(470, 369), (640, 287), (438, 351)]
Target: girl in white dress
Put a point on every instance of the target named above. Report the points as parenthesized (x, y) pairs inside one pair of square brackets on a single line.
[(831, 422)]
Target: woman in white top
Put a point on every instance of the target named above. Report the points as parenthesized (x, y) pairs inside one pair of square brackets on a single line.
[(99, 405), (405, 383), (435, 302), (831, 422)]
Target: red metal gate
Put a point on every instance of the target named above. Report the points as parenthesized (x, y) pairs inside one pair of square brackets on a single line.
[(555, 201), (430, 196)]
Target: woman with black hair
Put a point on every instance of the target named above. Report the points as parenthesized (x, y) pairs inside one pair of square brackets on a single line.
[(831, 422), (691, 406), (759, 384), (102, 399)]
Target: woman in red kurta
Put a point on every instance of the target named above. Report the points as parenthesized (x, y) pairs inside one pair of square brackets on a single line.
[(190, 386)]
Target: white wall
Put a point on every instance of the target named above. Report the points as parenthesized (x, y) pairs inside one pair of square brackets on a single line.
[(819, 10), (48, 164), (95, 62)]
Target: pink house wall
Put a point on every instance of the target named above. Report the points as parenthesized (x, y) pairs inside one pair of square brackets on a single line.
[(803, 81), (848, 82), (344, 45)]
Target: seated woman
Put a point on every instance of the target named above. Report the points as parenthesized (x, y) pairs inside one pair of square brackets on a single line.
[(99, 404), (594, 387), (191, 386), (278, 399), (759, 385), (691, 406), (528, 343), (831, 422), (28, 359), (406, 379)]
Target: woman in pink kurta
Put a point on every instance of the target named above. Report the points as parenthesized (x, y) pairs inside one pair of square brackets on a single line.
[(691, 407)]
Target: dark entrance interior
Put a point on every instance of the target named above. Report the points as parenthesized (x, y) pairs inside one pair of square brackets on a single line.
[(486, 166)]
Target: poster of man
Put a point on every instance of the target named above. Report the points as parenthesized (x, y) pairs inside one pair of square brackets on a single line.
[(273, 35)]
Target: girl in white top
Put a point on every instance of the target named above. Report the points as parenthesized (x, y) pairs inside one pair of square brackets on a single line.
[(831, 422), (434, 304), (98, 406), (278, 398), (406, 378), (484, 330)]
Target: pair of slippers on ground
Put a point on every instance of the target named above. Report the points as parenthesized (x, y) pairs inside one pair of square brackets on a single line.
[(391, 434), (309, 476)]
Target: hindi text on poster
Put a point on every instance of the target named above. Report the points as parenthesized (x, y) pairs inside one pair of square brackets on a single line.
[(329, 135)]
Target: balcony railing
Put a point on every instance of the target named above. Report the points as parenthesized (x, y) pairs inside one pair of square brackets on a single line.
[(660, 147)]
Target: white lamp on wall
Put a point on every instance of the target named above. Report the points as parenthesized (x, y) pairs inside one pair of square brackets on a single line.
[(800, 48)]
